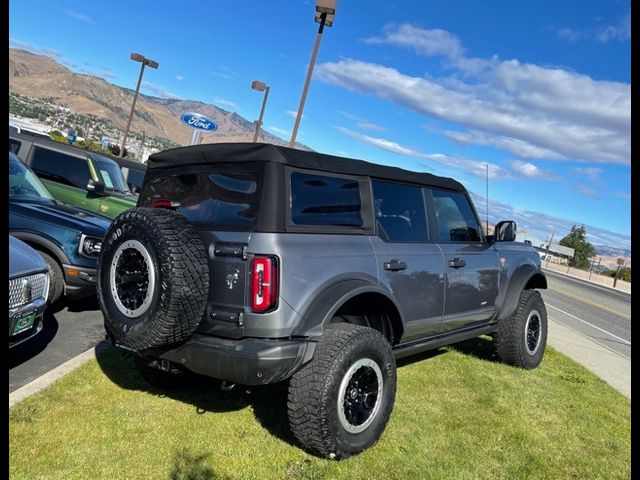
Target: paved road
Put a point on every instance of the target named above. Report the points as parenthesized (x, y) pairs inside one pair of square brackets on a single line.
[(600, 313), (67, 333)]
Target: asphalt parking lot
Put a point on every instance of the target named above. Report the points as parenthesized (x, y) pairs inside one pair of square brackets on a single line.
[(68, 331)]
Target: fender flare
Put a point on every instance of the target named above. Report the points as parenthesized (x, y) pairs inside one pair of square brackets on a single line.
[(46, 243), (518, 281), (326, 304)]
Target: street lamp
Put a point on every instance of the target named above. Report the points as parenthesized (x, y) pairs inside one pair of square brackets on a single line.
[(325, 15), (145, 62), (261, 87)]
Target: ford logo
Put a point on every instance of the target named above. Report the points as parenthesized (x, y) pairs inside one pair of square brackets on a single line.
[(196, 120)]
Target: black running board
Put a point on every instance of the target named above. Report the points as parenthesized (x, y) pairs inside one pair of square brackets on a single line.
[(440, 340)]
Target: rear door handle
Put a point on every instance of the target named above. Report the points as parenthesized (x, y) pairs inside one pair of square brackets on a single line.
[(457, 263), (395, 265)]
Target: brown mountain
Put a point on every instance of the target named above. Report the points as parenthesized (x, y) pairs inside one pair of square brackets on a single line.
[(39, 76)]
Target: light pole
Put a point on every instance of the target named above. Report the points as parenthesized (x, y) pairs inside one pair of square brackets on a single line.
[(261, 87), (325, 15), (144, 61)]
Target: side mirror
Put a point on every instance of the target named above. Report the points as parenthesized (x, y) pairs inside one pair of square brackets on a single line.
[(505, 231), (96, 187)]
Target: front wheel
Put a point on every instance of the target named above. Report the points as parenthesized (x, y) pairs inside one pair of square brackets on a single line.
[(56, 277), (339, 403), (521, 338)]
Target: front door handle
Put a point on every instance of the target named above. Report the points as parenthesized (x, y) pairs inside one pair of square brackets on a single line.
[(395, 265), (457, 263)]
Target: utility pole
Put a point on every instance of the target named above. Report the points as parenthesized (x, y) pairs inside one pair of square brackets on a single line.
[(620, 262), (325, 16), (546, 256), (141, 149), (487, 165)]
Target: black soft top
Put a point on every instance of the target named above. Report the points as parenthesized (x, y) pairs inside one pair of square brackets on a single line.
[(198, 155)]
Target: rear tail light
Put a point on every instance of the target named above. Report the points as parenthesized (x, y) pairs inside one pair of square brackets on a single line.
[(264, 284), (162, 203)]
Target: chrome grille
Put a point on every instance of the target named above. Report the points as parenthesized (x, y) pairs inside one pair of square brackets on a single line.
[(23, 290)]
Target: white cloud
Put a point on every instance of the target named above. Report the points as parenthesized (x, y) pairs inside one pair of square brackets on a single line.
[(223, 102), (292, 113), (382, 143), (625, 195), (591, 173), (222, 75), (281, 131), (361, 122), (529, 170), (517, 147), (569, 34), (159, 91), (472, 166), (34, 48), (542, 225), (370, 126), (587, 191), (79, 16), (224, 72), (619, 32), (570, 115), (432, 42), (179, 78), (426, 42)]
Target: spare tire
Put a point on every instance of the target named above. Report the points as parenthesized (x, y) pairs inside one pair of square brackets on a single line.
[(153, 279)]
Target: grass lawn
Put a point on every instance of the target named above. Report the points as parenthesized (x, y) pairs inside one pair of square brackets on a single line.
[(458, 415)]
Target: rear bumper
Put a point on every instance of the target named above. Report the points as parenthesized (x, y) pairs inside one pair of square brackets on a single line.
[(250, 361), (79, 282)]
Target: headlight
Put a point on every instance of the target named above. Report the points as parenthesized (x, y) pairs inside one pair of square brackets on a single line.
[(89, 246)]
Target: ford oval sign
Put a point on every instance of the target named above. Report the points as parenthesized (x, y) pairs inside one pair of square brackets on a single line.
[(196, 120)]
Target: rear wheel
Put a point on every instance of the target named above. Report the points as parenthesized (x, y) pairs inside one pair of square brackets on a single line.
[(339, 403), (521, 338)]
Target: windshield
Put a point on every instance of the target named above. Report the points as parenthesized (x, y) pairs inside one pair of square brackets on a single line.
[(24, 185), (110, 174)]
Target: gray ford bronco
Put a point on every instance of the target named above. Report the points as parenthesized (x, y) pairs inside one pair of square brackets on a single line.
[(255, 264)]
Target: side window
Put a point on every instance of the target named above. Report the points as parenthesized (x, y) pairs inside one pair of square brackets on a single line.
[(14, 146), (455, 218), (60, 167), (135, 179), (399, 211), (325, 200)]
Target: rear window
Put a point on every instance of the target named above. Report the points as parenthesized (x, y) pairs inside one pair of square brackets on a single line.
[(223, 199), (325, 200)]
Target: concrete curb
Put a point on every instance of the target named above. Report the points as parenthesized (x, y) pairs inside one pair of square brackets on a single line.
[(610, 366), (57, 373)]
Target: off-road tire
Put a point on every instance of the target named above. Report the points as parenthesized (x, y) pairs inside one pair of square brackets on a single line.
[(181, 277), (510, 339), (56, 277), (158, 378), (313, 400)]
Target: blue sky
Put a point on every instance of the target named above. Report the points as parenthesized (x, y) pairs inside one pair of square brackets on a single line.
[(539, 90)]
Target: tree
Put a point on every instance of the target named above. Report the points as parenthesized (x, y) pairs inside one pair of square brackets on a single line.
[(115, 150), (624, 274), (577, 239), (57, 136)]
